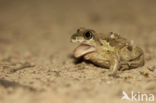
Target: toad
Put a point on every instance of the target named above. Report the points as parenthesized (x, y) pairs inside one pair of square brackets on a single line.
[(107, 50)]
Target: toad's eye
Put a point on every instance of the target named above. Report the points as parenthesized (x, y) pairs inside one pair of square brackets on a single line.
[(88, 35)]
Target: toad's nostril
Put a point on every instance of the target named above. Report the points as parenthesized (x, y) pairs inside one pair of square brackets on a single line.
[(73, 37), (78, 30)]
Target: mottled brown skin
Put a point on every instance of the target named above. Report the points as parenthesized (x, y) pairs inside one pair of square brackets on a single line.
[(107, 50)]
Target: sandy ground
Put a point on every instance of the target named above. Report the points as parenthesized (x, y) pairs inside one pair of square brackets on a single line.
[(36, 64)]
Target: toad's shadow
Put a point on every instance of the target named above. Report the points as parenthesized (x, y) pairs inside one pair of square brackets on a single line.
[(76, 60)]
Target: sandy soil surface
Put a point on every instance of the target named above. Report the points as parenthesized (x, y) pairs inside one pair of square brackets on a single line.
[(36, 64)]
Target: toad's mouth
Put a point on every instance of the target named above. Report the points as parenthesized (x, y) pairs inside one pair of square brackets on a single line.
[(83, 49)]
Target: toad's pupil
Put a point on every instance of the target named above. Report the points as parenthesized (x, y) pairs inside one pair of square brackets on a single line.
[(88, 35)]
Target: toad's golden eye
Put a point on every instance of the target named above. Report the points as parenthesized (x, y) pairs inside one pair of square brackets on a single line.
[(87, 35)]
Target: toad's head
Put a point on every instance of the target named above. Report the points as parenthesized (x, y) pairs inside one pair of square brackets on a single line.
[(88, 41)]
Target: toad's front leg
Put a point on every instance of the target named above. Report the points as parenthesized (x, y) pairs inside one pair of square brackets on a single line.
[(109, 61), (114, 65), (97, 59)]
